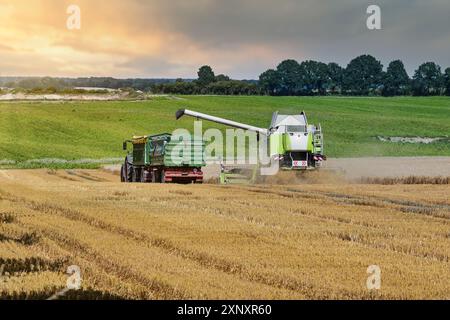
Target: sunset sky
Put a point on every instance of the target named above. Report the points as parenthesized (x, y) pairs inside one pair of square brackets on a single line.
[(241, 38)]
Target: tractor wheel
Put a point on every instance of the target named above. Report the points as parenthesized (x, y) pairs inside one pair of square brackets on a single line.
[(122, 174), (128, 169)]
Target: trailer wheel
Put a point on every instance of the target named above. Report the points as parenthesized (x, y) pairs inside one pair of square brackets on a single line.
[(144, 176), (153, 176)]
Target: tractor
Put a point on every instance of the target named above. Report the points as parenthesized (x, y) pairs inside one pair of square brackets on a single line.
[(151, 160)]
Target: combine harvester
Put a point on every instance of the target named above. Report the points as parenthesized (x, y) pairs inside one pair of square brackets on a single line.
[(293, 142)]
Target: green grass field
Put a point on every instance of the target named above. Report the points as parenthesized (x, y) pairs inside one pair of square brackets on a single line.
[(95, 130)]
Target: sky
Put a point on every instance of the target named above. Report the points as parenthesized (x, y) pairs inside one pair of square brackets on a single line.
[(240, 38)]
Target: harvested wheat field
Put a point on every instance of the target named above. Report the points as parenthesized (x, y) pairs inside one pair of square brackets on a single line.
[(299, 241)]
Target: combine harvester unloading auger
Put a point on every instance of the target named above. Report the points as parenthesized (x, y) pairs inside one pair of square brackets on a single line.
[(293, 142)]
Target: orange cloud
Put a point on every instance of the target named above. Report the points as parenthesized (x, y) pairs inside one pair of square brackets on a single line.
[(117, 38)]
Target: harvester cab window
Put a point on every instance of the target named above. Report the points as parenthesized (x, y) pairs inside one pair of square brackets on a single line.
[(295, 129)]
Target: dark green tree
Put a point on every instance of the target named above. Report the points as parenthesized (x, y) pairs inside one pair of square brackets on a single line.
[(314, 77), (205, 76), (427, 80), (363, 75), (222, 77), (335, 77), (269, 82), (396, 81), (232, 87), (289, 77), (447, 81)]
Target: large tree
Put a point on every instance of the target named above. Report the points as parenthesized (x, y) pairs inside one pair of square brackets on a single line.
[(447, 81), (314, 76), (222, 77), (362, 75), (289, 77), (427, 79), (269, 82), (335, 77), (205, 76), (396, 81)]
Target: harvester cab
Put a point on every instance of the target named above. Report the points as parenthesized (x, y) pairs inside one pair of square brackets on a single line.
[(293, 142), (297, 144)]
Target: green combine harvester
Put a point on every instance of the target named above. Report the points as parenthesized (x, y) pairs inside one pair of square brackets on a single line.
[(293, 142), (151, 161)]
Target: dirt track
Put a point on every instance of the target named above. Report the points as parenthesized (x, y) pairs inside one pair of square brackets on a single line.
[(383, 167)]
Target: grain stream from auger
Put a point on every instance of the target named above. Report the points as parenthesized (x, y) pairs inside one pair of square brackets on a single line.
[(148, 241)]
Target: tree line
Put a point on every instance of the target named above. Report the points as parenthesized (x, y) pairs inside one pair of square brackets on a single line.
[(363, 76), (60, 84), (209, 83)]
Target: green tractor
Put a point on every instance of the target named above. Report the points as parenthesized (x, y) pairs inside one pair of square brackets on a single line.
[(151, 160)]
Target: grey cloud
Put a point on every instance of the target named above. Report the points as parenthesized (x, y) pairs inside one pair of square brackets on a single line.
[(329, 30), (148, 65), (226, 31)]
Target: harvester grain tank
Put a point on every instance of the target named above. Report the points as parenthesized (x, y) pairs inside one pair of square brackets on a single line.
[(295, 143), (152, 160)]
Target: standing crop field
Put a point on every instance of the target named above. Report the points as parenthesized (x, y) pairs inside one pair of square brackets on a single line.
[(210, 241)]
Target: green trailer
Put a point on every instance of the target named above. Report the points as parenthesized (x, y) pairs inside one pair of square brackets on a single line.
[(159, 159)]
